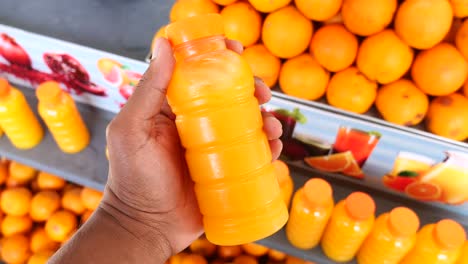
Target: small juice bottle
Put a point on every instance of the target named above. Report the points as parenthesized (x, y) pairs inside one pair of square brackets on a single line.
[(463, 259), (439, 243), (59, 112), (284, 180), (310, 211), (391, 238), (350, 223), (17, 119), (220, 125)]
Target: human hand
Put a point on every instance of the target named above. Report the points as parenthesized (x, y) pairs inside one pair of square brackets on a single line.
[(149, 185)]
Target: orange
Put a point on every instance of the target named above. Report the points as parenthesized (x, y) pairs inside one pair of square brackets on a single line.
[(90, 198), (331, 163), (12, 225), (402, 103), (351, 90), (263, 64), (422, 24), (364, 17), (276, 255), (334, 47), (465, 89), (384, 57), (47, 181), (15, 249), (193, 259), (60, 225), (460, 8), (224, 2), (286, 33), (21, 173), (255, 249), (188, 8), (461, 39), (203, 247), (177, 259), (40, 257), (353, 170), (4, 167), (440, 70), (448, 116), (268, 6), (161, 33), (423, 191), (242, 23), (44, 204), (12, 183), (319, 10), (40, 241), (303, 77), (245, 259), (294, 260), (228, 252), (86, 215), (336, 19), (16, 201), (71, 200)]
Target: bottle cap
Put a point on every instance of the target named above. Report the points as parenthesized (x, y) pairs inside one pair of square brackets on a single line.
[(317, 192), (449, 234), (360, 206), (4, 87), (195, 27), (48, 92), (281, 170), (403, 222)]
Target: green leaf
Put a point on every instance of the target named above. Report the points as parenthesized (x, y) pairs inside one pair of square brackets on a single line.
[(295, 114), (125, 67), (375, 133), (408, 173)]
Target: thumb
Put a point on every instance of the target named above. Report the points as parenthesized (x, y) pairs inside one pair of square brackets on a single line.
[(150, 93)]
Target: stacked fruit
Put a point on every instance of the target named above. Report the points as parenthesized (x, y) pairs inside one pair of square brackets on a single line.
[(409, 58), (39, 212)]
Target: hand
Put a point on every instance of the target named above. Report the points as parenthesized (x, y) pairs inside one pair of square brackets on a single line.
[(149, 183)]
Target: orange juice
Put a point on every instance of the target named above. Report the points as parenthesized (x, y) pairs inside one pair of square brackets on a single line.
[(407, 161), (17, 119), (59, 112), (350, 223), (438, 243), (220, 125), (391, 238), (284, 180), (463, 258), (310, 211)]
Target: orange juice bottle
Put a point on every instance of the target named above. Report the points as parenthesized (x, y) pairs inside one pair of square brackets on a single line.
[(391, 238), (463, 258), (310, 211), (350, 223), (220, 125), (59, 112), (17, 119), (439, 243), (284, 180)]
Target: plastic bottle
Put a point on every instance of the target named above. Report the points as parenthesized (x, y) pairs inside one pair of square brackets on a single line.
[(59, 112), (17, 119), (463, 258), (350, 223), (284, 180), (220, 125), (310, 211), (438, 243), (391, 238)]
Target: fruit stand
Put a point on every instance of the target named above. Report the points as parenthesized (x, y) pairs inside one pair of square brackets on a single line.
[(360, 100)]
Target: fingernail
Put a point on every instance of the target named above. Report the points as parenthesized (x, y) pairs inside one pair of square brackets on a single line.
[(157, 46)]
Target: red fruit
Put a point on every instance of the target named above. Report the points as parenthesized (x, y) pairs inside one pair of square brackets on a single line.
[(398, 183), (13, 52), (67, 66), (126, 90), (89, 87)]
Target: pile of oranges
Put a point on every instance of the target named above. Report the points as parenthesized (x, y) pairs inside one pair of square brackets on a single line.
[(39, 212), (407, 58)]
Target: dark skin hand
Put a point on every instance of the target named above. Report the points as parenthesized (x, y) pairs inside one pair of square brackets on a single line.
[(149, 211)]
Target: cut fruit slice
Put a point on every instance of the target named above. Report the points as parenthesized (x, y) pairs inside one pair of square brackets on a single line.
[(331, 163), (114, 76), (423, 191), (353, 169), (397, 183)]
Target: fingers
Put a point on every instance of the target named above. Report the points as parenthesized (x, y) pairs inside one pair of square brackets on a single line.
[(271, 126), (276, 146), (262, 91), (234, 45)]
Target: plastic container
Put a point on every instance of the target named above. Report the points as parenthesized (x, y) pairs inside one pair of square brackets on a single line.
[(350, 223), (310, 211), (391, 238), (463, 258), (17, 119), (220, 125), (59, 112), (284, 180), (439, 243)]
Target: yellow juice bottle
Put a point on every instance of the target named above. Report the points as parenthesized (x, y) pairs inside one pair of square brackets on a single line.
[(310, 211), (463, 258), (284, 180), (17, 119), (220, 125), (391, 238), (439, 243), (351, 221), (59, 112)]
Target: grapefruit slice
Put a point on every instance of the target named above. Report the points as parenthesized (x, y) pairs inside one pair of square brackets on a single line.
[(423, 191), (353, 169), (114, 76), (330, 163), (397, 183)]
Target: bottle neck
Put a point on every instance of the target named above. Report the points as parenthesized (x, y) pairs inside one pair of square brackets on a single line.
[(199, 46)]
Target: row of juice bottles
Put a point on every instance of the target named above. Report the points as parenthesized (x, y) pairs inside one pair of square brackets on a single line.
[(56, 108), (349, 230)]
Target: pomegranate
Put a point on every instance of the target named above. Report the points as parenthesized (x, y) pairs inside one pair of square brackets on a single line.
[(13, 52), (66, 65)]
